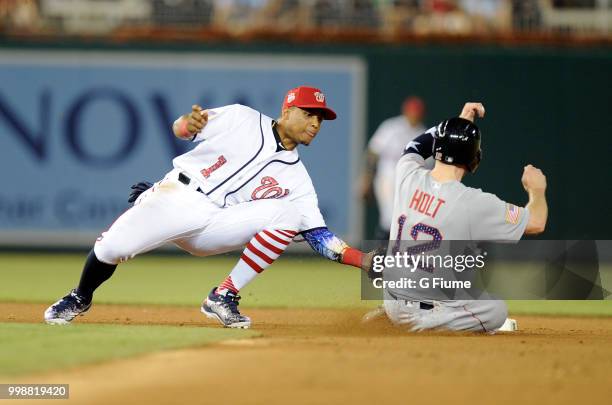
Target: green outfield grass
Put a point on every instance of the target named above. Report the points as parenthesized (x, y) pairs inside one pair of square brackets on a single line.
[(184, 280), (29, 348)]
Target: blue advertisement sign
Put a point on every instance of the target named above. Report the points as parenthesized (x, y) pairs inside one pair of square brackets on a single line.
[(78, 128)]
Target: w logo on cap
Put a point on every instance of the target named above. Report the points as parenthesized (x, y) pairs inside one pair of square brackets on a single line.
[(308, 97)]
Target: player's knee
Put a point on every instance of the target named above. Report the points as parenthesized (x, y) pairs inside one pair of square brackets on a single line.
[(111, 253), (497, 315)]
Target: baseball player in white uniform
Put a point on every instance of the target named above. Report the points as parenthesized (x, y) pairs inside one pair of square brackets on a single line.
[(435, 205), (243, 184), (384, 150)]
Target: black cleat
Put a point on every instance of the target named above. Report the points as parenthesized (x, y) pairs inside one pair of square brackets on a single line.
[(66, 309)]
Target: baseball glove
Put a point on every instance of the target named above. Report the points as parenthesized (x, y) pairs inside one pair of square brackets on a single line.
[(138, 189), (368, 262)]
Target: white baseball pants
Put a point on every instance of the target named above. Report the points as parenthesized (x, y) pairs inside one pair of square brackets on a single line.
[(173, 212)]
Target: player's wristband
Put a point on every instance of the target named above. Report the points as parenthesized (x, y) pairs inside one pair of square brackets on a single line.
[(352, 257), (181, 128)]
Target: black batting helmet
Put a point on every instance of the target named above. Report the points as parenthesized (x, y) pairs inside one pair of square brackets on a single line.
[(457, 142)]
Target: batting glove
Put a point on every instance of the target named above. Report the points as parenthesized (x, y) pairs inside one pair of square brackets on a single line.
[(138, 189)]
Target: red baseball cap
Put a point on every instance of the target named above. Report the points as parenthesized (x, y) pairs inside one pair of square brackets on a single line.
[(308, 97), (413, 104)]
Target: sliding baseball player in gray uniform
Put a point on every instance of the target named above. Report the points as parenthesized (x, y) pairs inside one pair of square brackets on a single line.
[(433, 205)]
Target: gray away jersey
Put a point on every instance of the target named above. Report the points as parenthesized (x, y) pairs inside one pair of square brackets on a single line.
[(450, 210), (427, 210)]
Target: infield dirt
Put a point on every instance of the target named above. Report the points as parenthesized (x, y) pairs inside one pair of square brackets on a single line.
[(307, 356)]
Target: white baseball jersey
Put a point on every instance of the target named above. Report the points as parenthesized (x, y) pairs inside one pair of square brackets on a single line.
[(388, 142), (254, 167)]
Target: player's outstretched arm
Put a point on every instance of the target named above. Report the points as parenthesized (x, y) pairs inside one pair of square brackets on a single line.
[(534, 183), (188, 125), (422, 145), (330, 246)]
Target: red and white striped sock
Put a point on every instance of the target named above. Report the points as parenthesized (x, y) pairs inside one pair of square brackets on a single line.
[(260, 252)]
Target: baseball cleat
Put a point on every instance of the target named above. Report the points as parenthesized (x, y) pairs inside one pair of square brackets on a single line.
[(510, 325), (224, 308), (66, 309), (371, 316)]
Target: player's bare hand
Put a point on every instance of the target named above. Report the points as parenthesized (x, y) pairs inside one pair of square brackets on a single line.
[(196, 119), (533, 179), (367, 262), (366, 191), (472, 110)]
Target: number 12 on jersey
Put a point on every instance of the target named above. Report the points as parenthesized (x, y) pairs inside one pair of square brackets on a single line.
[(415, 230)]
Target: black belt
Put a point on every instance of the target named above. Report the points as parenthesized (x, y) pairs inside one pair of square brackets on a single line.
[(425, 306), (422, 305), (183, 178)]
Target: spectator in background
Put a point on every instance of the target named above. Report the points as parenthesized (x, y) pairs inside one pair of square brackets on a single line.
[(487, 16), (526, 15), (398, 15), (442, 16), (283, 15), (344, 14), (326, 13), (21, 15), (182, 13), (440, 6), (361, 14), (237, 16), (384, 150)]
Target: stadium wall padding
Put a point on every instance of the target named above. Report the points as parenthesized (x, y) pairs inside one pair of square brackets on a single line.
[(548, 106)]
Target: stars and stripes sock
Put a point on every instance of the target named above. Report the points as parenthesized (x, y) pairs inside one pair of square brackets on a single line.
[(260, 252)]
